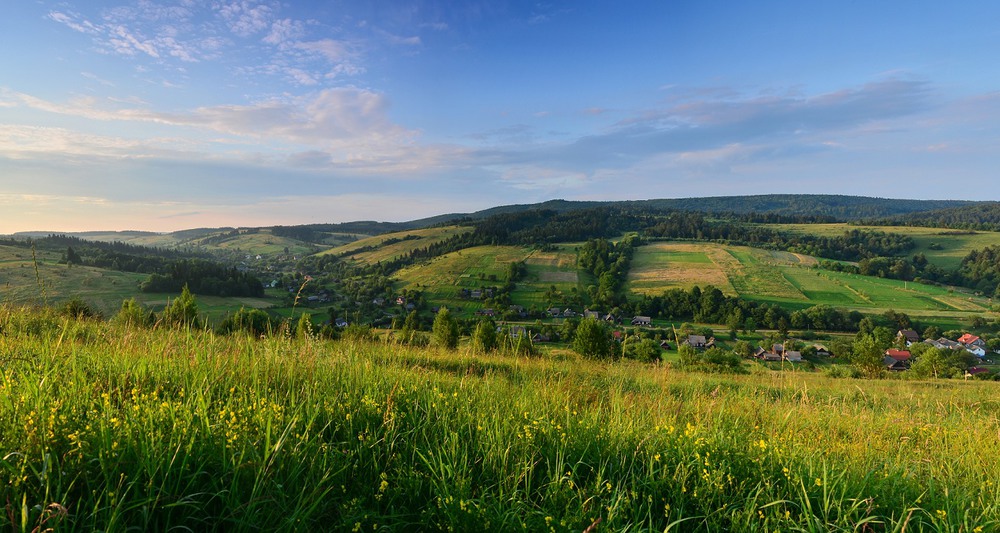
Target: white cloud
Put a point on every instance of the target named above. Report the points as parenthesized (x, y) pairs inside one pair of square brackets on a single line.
[(246, 17)]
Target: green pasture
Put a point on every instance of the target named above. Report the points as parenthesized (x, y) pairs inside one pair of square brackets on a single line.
[(443, 277), (942, 247), (385, 252), (53, 283)]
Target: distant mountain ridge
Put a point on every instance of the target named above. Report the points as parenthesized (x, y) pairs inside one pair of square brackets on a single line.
[(839, 207)]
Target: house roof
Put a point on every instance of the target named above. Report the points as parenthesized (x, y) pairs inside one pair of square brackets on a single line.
[(909, 335), (976, 370), (968, 338), (696, 339), (898, 355)]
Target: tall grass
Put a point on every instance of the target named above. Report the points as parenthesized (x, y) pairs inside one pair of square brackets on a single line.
[(104, 427)]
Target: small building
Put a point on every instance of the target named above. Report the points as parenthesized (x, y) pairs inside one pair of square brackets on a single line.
[(897, 359), (895, 365), (793, 356), (696, 341), (909, 336), (822, 350), (969, 339), (641, 321)]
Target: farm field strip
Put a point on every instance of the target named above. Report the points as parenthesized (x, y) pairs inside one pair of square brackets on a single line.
[(942, 247), (785, 279), (405, 245), (659, 266)]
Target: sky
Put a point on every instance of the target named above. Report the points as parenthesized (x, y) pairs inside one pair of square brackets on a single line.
[(162, 115)]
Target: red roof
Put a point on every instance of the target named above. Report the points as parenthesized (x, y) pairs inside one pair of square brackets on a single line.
[(976, 370), (968, 338), (899, 355)]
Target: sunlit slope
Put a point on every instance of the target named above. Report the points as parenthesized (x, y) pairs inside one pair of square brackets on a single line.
[(943, 247), (786, 279), (391, 245)]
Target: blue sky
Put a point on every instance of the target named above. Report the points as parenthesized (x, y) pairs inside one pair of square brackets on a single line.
[(172, 114)]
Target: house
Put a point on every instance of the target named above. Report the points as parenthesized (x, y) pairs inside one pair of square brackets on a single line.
[(969, 339), (379, 301), (641, 321), (977, 351), (897, 359), (587, 313), (665, 345), (895, 365), (759, 353), (610, 318), (538, 337), (908, 335), (617, 335), (340, 323), (696, 341), (569, 313), (778, 349), (822, 350), (793, 356), (553, 311), (476, 294), (517, 331), (948, 343)]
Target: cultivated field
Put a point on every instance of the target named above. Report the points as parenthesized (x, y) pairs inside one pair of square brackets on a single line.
[(112, 429), (789, 280), (943, 247)]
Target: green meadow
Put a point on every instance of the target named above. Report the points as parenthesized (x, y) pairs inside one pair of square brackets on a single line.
[(108, 428), (372, 249)]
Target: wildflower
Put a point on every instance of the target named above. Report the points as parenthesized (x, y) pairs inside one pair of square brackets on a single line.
[(941, 513), (819, 482)]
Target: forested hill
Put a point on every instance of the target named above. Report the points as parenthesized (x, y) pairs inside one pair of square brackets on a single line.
[(831, 207), (983, 216)]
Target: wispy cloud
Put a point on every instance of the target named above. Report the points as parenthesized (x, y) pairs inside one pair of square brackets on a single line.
[(193, 33)]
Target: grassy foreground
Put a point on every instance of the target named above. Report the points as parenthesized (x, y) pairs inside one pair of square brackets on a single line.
[(108, 428)]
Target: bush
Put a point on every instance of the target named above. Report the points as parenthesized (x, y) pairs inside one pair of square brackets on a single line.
[(713, 360), (133, 315), (252, 321), (77, 308)]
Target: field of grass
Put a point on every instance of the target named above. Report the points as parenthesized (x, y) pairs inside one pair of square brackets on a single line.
[(788, 280), (104, 290), (950, 246), (408, 241), (443, 277), (111, 429), (54, 283)]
